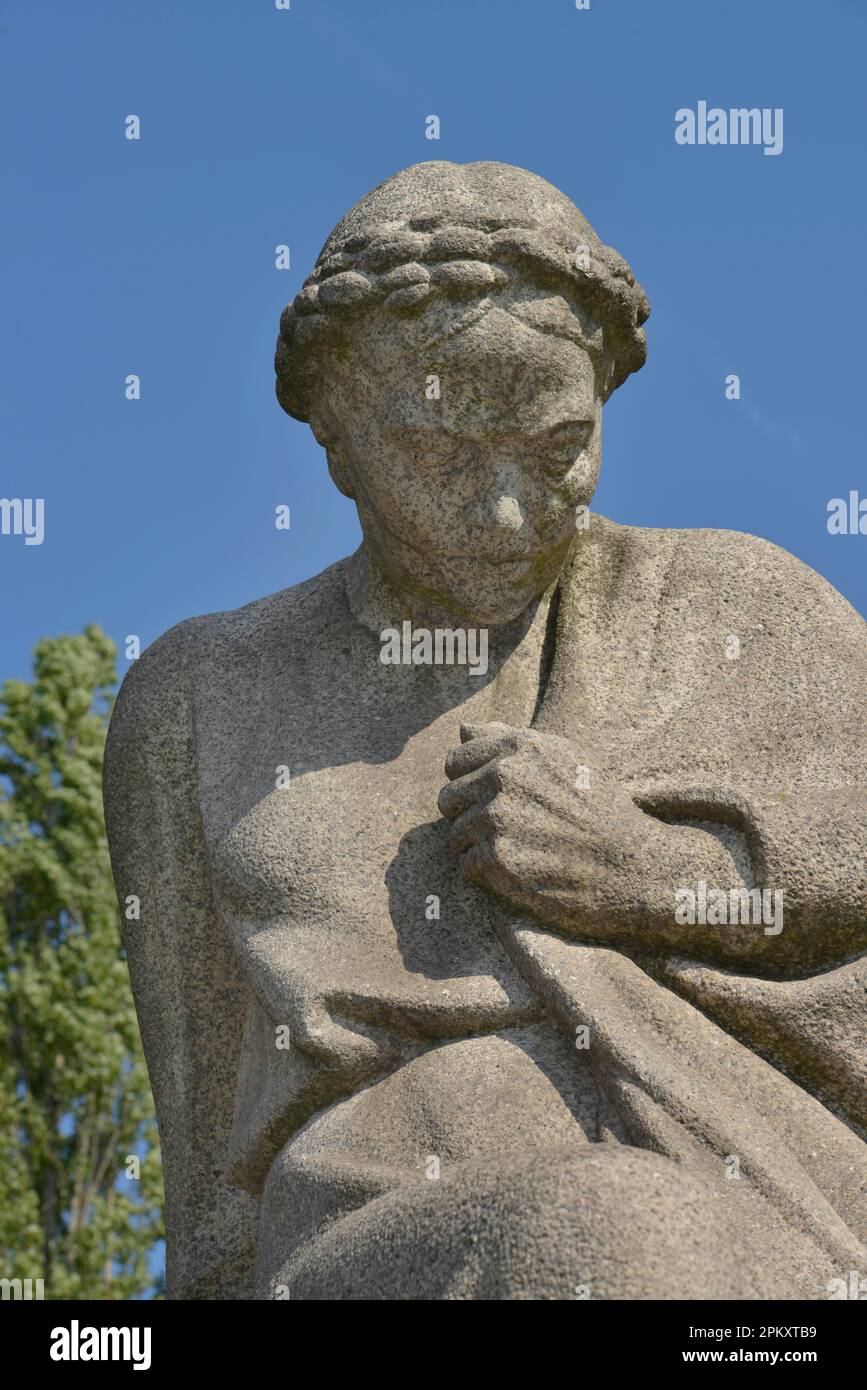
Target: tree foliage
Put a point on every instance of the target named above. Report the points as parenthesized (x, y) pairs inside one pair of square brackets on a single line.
[(75, 1101)]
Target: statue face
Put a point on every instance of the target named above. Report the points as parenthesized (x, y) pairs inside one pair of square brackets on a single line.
[(467, 456)]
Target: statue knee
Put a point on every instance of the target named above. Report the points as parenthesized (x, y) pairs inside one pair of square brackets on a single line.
[(591, 1221), (606, 1221)]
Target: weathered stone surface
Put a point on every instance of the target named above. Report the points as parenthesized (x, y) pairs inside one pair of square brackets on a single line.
[(514, 1071)]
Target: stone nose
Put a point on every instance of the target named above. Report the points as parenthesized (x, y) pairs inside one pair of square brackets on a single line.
[(502, 504), (506, 512)]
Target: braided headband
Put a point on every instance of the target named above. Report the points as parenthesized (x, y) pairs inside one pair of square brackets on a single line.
[(404, 268)]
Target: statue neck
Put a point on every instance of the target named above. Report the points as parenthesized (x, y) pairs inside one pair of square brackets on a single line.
[(377, 601)]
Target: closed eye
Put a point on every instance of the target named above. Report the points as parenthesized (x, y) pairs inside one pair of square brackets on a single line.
[(573, 434), (560, 451), (432, 447)]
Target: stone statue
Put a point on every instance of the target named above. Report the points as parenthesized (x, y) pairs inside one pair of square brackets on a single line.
[(585, 1021)]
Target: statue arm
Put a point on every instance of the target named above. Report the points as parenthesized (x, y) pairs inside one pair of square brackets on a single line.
[(788, 719), (660, 872), (785, 808), (188, 991), (809, 846)]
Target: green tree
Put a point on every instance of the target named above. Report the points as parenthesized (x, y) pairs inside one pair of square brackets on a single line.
[(75, 1102)]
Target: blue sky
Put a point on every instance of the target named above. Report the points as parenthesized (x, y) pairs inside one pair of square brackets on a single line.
[(261, 127)]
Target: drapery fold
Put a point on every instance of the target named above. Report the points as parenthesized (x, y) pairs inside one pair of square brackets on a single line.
[(702, 1064)]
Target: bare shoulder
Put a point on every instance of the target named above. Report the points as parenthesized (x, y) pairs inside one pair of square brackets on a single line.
[(152, 723)]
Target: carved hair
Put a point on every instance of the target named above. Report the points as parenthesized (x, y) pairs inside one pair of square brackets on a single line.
[(403, 267)]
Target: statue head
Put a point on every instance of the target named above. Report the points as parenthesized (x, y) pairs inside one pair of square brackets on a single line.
[(452, 350)]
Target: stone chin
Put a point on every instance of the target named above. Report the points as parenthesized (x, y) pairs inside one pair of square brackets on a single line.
[(492, 600)]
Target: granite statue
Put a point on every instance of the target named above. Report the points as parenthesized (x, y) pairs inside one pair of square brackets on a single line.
[(503, 897)]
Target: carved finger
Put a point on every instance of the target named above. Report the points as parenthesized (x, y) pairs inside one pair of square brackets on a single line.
[(481, 863), (472, 826), (476, 753), (459, 796), (470, 732)]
